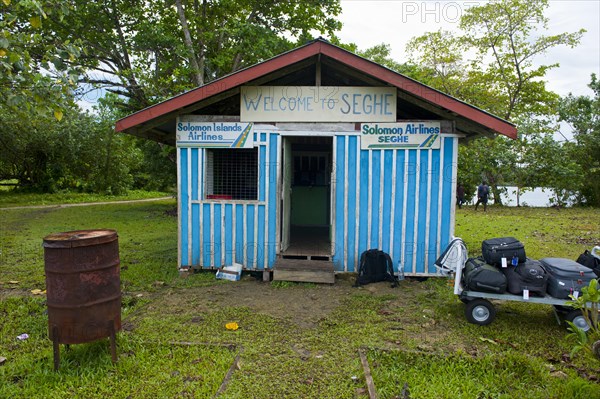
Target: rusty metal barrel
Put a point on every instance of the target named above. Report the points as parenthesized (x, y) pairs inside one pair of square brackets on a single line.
[(83, 287)]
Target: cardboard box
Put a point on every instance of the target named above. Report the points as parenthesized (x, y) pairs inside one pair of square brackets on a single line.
[(224, 274)]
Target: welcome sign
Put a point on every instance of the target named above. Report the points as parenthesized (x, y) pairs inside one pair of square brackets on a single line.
[(408, 135), (192, 133), (317, 104)]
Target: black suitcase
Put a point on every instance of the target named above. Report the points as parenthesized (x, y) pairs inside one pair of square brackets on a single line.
[(528, 275), (588, 260), (565, 276), (483, 277), (494, 249)]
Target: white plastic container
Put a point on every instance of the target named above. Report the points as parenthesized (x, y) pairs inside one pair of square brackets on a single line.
[(596, 252)]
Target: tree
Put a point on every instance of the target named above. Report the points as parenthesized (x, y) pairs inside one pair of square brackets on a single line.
[(485, 159), (140, 53), (506, 33), (582, 113), (35, 89), (148, 51), (439, 56), (34, 75), (81, 152), (502, 78)]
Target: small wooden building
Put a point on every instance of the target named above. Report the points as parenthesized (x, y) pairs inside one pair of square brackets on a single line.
[(314, 155)]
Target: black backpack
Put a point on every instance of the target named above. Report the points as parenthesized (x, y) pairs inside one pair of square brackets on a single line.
[(375, 266)]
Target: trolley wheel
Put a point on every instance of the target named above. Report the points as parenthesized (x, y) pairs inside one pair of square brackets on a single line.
[(576, 317), (480, 311)]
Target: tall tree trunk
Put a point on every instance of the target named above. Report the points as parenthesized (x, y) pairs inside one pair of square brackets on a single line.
[(497, 196), (198, 75), (491, 179), (200, 39), (124, 63)]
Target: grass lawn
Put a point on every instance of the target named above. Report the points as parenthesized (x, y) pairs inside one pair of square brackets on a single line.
[(13, 199), (546, 232), (294, 340)]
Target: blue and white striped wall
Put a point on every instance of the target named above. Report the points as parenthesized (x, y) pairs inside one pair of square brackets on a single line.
[(214, 233), (400, 201)]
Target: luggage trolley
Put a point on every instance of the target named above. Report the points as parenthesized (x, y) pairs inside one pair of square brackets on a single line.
[(479, 310)]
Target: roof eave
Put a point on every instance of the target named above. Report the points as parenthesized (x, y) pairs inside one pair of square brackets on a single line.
[(320, 46)]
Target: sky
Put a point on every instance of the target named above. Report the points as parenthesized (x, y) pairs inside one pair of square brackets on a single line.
[(370, 22)]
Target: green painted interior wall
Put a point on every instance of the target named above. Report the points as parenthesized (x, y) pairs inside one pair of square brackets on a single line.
[(309, 205)]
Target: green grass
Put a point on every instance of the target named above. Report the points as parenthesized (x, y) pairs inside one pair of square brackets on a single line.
[(546, 232), (12, 199), (175, 344), (454, 376), (147, 240), (144, 370)]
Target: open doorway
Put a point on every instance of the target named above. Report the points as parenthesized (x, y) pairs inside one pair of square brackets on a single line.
[(306, 199)]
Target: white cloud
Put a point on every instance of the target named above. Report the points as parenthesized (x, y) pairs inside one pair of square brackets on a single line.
[(368, 23)]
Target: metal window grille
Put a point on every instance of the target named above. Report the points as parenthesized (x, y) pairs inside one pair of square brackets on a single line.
[(231, 174), (311, 168)]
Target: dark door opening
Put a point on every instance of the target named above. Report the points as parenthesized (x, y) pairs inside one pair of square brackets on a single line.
[(308, 224)]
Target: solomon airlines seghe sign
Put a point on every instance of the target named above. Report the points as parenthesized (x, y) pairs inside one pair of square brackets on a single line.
[(193, 133), (317, 104), (411, 135)]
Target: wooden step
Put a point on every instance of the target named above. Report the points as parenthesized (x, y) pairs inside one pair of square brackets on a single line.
[(305, 271)]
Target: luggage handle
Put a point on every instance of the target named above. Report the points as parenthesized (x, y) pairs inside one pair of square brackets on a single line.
[(490, 287)]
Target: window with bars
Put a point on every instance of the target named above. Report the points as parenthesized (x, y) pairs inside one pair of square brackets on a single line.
[(231, 174)]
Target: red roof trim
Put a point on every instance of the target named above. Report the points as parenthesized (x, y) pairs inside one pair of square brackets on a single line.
[(218, 86), (319, 46), (420, 90)]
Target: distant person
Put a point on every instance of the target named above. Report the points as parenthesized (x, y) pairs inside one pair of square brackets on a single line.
[(460, 195), (483, 191)]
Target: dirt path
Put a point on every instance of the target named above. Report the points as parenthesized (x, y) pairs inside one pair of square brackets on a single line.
[(85, 204)]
